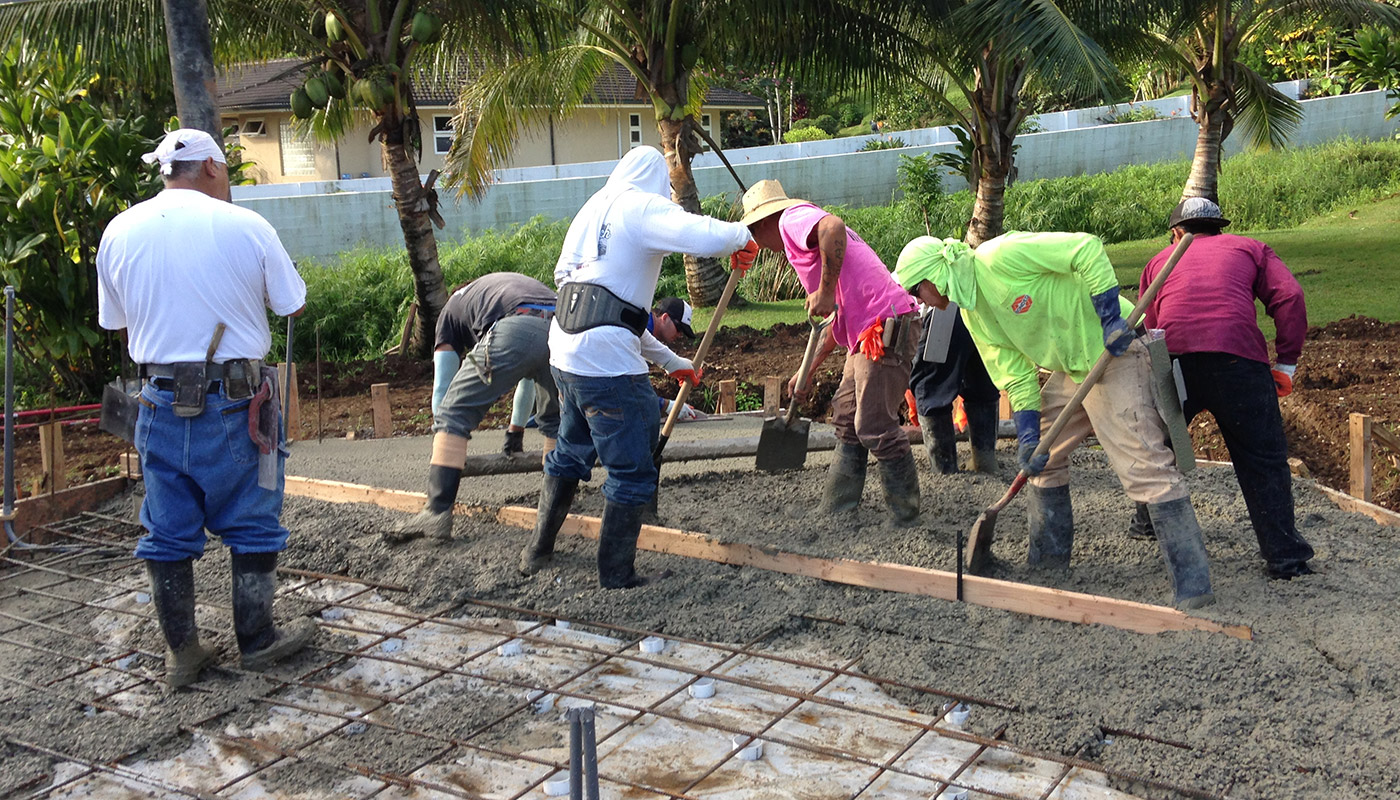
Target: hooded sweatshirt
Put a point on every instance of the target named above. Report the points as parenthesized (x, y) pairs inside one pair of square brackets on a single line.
[(617, 241)]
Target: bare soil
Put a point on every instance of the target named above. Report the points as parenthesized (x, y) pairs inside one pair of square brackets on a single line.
[(1350, 365)]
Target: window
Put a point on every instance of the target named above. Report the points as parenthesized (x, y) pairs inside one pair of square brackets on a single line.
[(634, 121), (298, 153), (253, 127), (705, 125), (442, 134)]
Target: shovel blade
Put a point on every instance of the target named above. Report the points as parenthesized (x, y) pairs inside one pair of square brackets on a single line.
[(119, 412), (979, 543), (783, 447)]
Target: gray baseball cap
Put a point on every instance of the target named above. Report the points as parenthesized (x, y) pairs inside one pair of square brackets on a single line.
[(1199, 209)]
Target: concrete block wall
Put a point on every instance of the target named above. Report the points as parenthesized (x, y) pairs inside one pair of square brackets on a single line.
[(328, 219)]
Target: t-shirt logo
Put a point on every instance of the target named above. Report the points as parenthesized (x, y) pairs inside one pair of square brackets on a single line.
[(1021, 304), (604, 233)]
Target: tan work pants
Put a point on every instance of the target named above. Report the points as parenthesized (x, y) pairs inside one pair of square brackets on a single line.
[(865, 410), (1121, 412)]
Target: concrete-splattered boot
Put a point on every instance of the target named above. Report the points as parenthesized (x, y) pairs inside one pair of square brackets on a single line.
[(941, 441), (1051, 518), (845, 479), (444, 478), (1141, 525), (172, 593), (982, 433), (900, 478), (556, 497), (260, 641), (1179, 534), (617, 547)]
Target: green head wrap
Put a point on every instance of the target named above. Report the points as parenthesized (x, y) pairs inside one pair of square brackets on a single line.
[(947, 263)]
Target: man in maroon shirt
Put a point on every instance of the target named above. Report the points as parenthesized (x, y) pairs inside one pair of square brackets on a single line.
[(1207, 309)]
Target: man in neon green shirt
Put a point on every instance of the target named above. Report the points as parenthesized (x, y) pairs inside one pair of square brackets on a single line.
[(1050, 300)]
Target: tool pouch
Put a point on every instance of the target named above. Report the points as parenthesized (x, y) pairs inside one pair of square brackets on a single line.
[(240, 379), (191, 380), (584, 306)]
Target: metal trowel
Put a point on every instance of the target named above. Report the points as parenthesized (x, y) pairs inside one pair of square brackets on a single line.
[(783, 443)]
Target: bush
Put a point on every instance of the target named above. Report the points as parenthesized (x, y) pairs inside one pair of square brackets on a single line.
[(805, 135), (849, 114), (1139, 114), (802, 123), (827, 123), (892, 143)]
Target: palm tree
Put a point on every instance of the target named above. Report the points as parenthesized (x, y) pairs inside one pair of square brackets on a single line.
[(985, 64), (663, 44), (1204, 37), (362, 53)]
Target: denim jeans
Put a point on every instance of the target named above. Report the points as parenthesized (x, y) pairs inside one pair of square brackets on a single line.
[(1240, 394), (202, 473), (516, 348), (614, 420)]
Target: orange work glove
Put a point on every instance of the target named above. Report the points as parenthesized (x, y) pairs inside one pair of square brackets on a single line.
[(872, 341), (913, 406), (1283, 379), (740, 260), (959, 415)]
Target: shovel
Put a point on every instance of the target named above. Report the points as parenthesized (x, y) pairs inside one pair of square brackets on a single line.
[(783, 442), (979, 550)]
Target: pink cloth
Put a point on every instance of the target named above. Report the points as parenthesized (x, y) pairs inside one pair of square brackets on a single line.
[(1207, 305), (865, 291)]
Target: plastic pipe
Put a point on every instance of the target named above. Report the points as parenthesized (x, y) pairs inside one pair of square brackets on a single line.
[(8, 512), (36, 412), (590, 755)]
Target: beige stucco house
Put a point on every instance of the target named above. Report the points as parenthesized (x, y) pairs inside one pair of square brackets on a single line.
[(255, 99)]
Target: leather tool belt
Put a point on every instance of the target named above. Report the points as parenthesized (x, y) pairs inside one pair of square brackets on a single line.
[(584, 306), (894, 328), (190, 381)]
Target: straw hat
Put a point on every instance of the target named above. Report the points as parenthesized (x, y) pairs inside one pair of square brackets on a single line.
[(765, 199)]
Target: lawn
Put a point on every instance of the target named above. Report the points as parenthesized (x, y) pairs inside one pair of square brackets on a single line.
[(1347, 262)]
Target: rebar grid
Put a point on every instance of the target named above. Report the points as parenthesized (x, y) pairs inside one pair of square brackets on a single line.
[(596, 658)]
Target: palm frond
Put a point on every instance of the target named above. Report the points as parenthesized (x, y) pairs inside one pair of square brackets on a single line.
[(1266, 116), (1346, 13), (494, 109), (1054, 45)]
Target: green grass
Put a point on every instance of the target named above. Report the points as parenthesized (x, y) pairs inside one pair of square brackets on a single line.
[(1346, 261), (754, 315)]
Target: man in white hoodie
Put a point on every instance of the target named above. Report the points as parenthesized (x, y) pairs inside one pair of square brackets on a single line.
[(599, 348)]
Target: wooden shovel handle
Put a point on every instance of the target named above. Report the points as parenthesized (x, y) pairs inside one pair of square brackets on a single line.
[(808, 356), (704, 350)]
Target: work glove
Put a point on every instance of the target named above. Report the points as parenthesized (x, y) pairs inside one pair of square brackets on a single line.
[(740, 260), (1027, 438), (1283, 378), (682, 370), (1116, 336), (688, 412), (871, 341)]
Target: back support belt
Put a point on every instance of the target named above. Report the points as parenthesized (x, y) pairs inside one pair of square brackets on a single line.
[(584, 306)]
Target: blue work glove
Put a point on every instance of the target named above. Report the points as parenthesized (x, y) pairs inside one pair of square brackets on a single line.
[(1027, 438), (1116, 336)]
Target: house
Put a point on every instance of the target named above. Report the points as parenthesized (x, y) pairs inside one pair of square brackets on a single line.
[(254, 98)]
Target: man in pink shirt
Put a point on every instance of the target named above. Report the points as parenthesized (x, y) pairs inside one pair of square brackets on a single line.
[(875, 322), (1207, 309)]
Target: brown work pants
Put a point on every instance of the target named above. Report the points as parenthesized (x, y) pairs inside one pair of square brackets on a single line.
[(1121, 412), (865, 410)]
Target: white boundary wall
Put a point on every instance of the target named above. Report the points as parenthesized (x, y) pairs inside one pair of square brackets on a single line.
[(325, 218)]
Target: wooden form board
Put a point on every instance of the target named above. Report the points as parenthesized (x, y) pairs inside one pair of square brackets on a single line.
[(1005, 595), (772, 395), (1343, 500), (48, 508)]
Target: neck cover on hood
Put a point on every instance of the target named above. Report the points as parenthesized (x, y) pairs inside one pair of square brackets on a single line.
[(947, 263)]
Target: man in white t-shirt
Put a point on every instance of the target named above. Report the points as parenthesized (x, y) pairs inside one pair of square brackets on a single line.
[(170, 271), (599, 347)]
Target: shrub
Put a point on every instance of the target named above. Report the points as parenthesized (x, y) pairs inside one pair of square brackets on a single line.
[(1139, 114), (827, 123), (805, 135), (892, 143), (802, 123), (849, 114)]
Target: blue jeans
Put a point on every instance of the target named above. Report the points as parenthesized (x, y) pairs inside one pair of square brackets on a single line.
[(202, 473), (614, 420)]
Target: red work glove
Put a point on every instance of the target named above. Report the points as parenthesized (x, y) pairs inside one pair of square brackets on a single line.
[(872, 341), (1283, 379), (740, 260), (683, 370)]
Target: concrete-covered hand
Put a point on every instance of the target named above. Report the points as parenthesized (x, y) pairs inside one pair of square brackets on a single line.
[(683, 370), (740, 260), (1283, 378), (1027, 438), (1116, 336)]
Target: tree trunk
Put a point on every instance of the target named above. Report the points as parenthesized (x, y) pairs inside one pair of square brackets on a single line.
[(192, 65), (994, 169), (412, 204), (1204, 180), (704, 277)]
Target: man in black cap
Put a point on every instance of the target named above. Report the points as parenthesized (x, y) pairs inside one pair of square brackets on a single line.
[(1207, 309)]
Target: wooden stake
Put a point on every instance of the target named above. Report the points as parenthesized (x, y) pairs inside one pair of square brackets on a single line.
[(293, 410), (1034, 600), (772, 395), (1361, 456), (52, 457), (727, 403), (1004, 407), (379, 404), (130, 464)]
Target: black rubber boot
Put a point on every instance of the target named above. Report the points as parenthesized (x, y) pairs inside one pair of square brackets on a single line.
[(1141, 525), (556, 497), (900, 478), (1179, 534), (1051, 517), (941, 441), (845, 479), (260, 641), (435, 520), (172, 593), (617, 547), (982, 433), (515, 442)]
